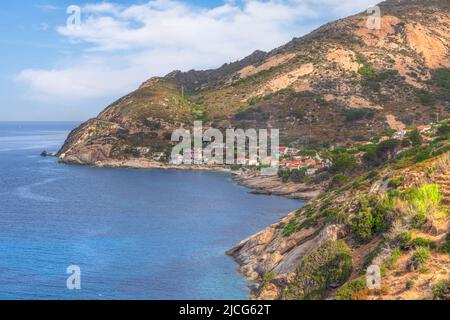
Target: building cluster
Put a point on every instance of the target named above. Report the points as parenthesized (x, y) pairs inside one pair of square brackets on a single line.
[(291, 158), (402, 134)]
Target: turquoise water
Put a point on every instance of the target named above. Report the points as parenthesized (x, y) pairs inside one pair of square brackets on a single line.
[(135, 234)]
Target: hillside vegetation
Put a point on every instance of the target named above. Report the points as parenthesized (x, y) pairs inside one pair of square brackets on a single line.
[(395, 215)]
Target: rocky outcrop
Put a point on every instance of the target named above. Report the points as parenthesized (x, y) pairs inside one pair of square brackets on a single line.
[(272, 185), (271, 252), (92, 142)]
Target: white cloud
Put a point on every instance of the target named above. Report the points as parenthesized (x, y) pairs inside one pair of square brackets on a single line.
[(46, 7), (125, 45), (104, 7), (84, 82)]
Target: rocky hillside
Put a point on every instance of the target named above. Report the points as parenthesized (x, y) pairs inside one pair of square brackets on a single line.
[(343, 82), (396, 217)]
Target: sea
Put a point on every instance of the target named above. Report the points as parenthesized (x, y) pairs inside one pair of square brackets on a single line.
[(77, 232)]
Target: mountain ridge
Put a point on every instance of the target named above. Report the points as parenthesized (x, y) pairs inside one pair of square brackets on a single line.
[(304, 88)]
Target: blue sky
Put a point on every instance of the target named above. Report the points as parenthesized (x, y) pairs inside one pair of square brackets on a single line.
[(52, 72)]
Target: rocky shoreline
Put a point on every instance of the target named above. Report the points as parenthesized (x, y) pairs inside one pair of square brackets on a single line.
[(272, 185), (151, 164), (269, 252)]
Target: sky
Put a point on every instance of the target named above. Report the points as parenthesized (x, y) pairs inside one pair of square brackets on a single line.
[(55, 67)]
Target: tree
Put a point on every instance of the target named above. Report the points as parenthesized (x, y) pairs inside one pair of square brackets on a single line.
[(298, 175), (387, 150), (343, 162), (415, 137), (384, 151)]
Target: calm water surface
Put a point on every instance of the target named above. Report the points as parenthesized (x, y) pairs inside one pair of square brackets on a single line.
[(135, 234)]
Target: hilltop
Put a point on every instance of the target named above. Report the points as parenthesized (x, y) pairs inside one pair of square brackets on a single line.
[(341, 83)]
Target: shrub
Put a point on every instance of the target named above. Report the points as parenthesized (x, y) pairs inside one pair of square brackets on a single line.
[(426, 98), (446, 246), (389, 132), (167, 135), (366, 71), (308, 153), (254, 100), (425, 198), (368, 260), (420, 242), (343, 162), (284, 175), (298, 175), (291, 227), (339, 180), (385, 75), (268, 276), (395, 183), (388, 148), (358, 114), (371, 157), (235, 167), (361, 59), (372, 218), (330, 264), (404, 240), (351, 289), (393, 259), (419, 258), (409, 284), (362, 225), (418, 220), (406, 143), (415, 137), (199, 113), (441, 79), (384, 151), (333, 216), (298, 113), (441, 290), (443, 130)]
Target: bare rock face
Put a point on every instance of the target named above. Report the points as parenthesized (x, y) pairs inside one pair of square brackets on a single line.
[(272, 185), (327, 267), (270, 251), (270, 292), (90, 143), (294, 257)]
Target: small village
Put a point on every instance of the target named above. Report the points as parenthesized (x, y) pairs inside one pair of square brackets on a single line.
[(312, 161)]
